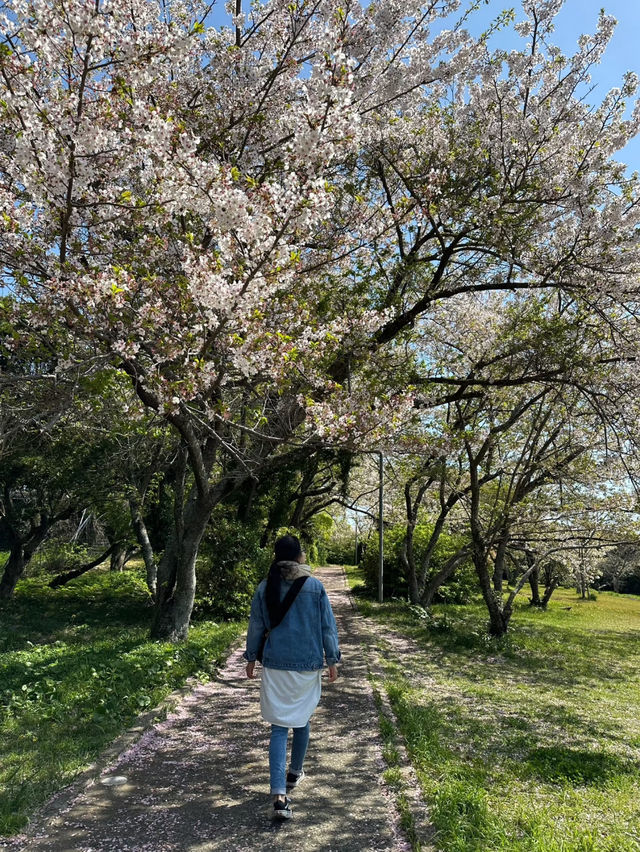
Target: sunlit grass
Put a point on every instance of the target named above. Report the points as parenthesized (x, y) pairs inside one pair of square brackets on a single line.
[(76, 667), (530, 743)]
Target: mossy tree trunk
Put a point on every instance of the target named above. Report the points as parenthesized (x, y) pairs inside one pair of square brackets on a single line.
[(176, 580)]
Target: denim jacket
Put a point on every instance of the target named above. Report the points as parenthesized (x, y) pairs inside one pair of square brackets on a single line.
[(306, 635)]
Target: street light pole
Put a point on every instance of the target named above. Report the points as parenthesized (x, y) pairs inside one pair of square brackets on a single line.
[(355, 559)]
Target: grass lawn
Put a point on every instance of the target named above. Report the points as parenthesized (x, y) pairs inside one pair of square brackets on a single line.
[(76, 668), (531, 742)]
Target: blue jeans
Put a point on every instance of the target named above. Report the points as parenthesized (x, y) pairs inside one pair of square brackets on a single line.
[(278, 755)]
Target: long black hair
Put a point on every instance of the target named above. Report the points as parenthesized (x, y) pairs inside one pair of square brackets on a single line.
[(286, 549)]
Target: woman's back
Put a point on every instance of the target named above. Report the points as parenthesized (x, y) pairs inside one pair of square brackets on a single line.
[(308, 632), (294, 646)]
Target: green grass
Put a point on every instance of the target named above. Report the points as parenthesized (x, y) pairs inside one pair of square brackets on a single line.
[(394, 778), (76, 667), (530, 743), (355, 577)]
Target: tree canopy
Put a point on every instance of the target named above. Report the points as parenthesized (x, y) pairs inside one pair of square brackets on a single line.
[(314, 228)]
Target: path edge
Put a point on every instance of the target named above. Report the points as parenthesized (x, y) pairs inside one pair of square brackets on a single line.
[(48, 812), (420, 834)]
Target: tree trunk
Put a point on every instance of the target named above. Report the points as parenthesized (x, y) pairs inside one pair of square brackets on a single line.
[(497, 577), (431, 546), (274, 520), (583, 587), (439, 578), (408, 560), (296, 515), (119, 555), (176, 584), (498, 565), (308, 475), (549, 590), (142, 536), (507, 606), (22, 549), (247, 497), (176, 587), (534, 581), (13, 570), (498, 623), (174, 601)]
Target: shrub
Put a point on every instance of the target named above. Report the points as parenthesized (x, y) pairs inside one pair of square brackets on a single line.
[(230, 566), (461, 588), (342, 544), (458, 589), (395, 584), (319, 532), (57, 555)]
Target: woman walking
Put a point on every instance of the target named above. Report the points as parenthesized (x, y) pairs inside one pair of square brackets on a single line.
[(292, 631)]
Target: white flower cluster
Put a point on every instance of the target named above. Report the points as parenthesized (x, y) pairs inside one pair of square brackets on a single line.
[(359, 420)]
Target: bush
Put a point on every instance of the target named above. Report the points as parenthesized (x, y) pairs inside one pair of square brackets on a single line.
[(395, 583), (232, 562), (56, 556), (319, 532), (230, 566), (341, 546), (459, 589)]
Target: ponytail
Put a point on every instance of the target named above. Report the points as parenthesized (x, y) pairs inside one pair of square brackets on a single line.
[(272, 593)]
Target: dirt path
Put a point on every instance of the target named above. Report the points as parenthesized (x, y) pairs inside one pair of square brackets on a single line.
[(199, 780)]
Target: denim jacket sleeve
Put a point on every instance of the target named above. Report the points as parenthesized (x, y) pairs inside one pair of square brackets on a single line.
[(329, 631), (257, 627)]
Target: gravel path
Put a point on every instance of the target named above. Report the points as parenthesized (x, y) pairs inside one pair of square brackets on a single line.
[(199, 779)]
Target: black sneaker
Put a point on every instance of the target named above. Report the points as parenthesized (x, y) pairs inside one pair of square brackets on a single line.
[(293, 779), (282, 810)]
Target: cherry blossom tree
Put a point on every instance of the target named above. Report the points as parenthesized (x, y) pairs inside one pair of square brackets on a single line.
[(537, 417), (167, 197)]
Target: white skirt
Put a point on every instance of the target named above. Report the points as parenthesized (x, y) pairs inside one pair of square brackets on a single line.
[(289, 698)]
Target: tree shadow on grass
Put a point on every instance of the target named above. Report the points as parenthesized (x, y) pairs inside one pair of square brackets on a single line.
[(552, 655), (559, 764), (38, 615), (461, 734), (558, 663)]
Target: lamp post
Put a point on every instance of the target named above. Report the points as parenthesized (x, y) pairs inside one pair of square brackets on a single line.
[(355, 560)]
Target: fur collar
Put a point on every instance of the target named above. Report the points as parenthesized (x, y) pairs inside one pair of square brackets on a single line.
[(290, 571)]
